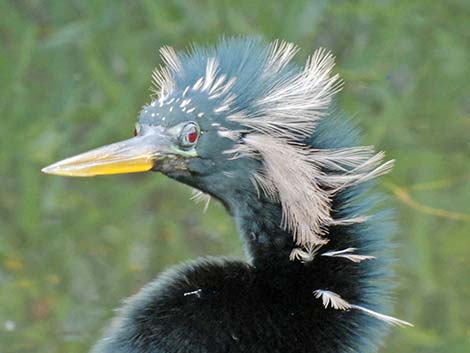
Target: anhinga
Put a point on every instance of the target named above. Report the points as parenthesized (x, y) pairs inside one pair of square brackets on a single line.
[(241, 123)]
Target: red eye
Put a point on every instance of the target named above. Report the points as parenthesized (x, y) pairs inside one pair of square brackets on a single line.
[(135, 132), (189, 135), (192, 135)]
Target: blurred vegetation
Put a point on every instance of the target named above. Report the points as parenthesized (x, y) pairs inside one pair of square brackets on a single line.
[(74, 74)]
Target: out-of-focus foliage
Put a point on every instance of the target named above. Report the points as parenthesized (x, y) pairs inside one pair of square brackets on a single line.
[(74, 74)]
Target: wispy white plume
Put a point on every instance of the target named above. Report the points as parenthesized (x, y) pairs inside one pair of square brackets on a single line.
[(200, 197), (304, 254), (348, 221), (162, 78), (230, 134), (386, 318), (292, 106), (331, 299), (163, 82), (280, 53), (302, 185), (170, 58), (348, 254), (305, 205)]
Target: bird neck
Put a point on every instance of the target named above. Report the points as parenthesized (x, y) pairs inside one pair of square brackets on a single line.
[(266, 242)]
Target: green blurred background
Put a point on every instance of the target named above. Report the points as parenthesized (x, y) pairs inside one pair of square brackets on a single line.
[(74, 74)]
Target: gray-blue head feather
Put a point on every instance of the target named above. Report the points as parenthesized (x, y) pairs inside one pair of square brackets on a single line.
[(256, 114)]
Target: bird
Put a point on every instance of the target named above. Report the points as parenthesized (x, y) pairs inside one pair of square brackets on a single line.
[(241, 122)]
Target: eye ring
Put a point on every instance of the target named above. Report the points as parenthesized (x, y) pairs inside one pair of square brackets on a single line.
[(189, 135)]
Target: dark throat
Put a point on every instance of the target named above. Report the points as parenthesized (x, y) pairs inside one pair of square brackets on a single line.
[(266, 242)]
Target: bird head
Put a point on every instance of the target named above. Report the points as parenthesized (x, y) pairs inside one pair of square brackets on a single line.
[(238, 118)]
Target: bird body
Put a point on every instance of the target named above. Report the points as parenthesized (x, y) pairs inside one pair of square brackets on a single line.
[(242, 124)]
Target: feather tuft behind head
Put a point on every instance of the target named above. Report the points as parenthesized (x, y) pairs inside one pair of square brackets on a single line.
[(276, 121)]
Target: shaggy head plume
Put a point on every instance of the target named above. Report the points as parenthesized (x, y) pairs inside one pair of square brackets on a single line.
[(271, 123)]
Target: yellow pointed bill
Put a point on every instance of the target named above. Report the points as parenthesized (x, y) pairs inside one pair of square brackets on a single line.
[(135, 155)]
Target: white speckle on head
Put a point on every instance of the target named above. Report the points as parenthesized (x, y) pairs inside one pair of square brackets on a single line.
[(153, 104), (152, 115), (217, 83), (185, 91), (229, 99), (198, 84), (232, 135), (190, 110), (211, 70), (223, 89), (222, 108), (185, 102), (170, 101), (215, 124), (164, 118), (200, 115), (171, 109)]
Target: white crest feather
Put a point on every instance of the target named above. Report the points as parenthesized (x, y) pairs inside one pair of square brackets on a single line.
[(293, 105), (162, 78), (280, 53), (170, 58), (163, 82), (333, 300)]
